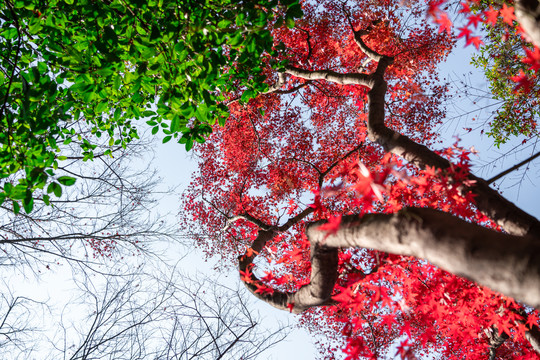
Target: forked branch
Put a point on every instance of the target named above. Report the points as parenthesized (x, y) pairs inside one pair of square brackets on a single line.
[(465, 249)]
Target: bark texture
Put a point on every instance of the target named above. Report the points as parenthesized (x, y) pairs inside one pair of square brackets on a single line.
[(528, 15), (479, 254)]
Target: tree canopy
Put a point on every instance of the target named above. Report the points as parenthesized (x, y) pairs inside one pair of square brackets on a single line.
[(324, 187), (328, 195), (110, 63), (501, 59)]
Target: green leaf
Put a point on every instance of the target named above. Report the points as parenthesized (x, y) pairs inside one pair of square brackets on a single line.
[(236, 40), (66, 180), (189, 144), (295, 11), (166, 139), (19, 192), (289, 22), (101, 107), (248, 94), (54, 188), (10, 33), (16, 207), (175, 124), (28, 205), (224, 23)]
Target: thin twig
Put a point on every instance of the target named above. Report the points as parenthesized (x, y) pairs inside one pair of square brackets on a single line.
[(515, 167)]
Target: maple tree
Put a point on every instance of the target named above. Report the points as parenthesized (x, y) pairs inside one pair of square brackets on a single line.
[(326, 194)]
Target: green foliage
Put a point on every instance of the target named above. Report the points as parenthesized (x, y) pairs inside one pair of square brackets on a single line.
[(106, 64), (500, 59)]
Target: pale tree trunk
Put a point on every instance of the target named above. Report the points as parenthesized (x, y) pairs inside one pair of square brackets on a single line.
[(528, 15)]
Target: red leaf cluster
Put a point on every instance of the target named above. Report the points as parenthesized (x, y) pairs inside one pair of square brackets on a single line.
[(286, 159)]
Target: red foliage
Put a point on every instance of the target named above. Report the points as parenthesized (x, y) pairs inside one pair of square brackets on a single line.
[(279, 153)]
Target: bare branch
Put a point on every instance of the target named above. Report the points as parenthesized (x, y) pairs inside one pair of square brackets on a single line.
[(330, 75), (332, 166), (308, 41), (515, 167), (246, 216), (296, 219)]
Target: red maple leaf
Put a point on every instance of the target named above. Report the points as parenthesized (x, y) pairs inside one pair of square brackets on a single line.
[(290, 306), (491, 16), (294, 255), (404, 350), (445, 24), (504, 327), (281, 280), (269, 276), (507, 13), (532, 320), (523, 82), (474, 20), (263, 289), (317, 204), (533, 58), (433, 7), (250, 252), (246, 276), (476, 41), (465, 9), (465, 32), (389, 320), (292, 207)]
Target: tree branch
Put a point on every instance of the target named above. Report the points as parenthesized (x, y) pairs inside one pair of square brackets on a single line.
[(495, 341), (296, 219), (308, 41), (332, 166), (469, 250), (246, 216), (324, 274), (515, 167), (329, 75)]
